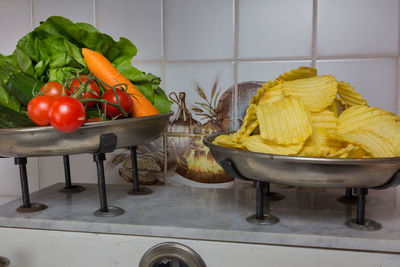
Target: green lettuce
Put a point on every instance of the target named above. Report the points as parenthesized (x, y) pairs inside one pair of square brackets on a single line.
[(8, 66), (52, 52)]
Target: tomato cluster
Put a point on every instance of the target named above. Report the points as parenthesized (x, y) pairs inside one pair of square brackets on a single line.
[(65, 107)]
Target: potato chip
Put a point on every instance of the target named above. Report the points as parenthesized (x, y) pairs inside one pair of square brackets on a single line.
[(372, 143), (262, 90), (349, 95), (324, 120), (250, 122), (317, 92), (337, 107), (347, 152), (319, 144), (256, 143), (228, 140), (273, 94), (284, 122), (379, 121), (300, 73), (300, 113)]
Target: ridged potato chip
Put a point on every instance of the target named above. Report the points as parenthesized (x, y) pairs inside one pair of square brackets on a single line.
[(228, 140), (272, 94), (299, 73), (325, 119), (321, 145), (349, 95), (317, 92), (284, 122), (256, 143), (250, 122), (303, 114), (379, 121), (373, 144), (261, 91)]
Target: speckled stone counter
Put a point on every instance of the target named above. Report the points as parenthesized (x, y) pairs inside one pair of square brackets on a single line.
[(307, 219)]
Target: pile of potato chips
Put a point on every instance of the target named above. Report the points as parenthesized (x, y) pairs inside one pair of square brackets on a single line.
[(303, 114)]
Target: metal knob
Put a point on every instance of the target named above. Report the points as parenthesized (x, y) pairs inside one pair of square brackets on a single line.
[(171, 252), (4, 262)]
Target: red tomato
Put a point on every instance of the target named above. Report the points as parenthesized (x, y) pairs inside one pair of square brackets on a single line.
[(91, 91), (53, 89), (124, 99), (67, 114), (38, 109), (95, 119)]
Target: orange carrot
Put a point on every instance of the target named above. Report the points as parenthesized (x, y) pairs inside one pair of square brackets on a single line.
[(102, 68)]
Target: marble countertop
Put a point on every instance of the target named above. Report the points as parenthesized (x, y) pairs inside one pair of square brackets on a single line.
[(5, 199), (307, 219)]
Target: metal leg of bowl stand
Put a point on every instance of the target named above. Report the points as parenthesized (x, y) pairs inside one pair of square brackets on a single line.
[(271, 196), (348, 198), (360, 222), (105, 210), (27, 206), (136, 190), (69, 187), (261, 217)]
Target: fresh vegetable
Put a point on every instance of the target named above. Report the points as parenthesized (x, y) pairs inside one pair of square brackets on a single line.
[(12, 119), (23, 86), (95, 119), (8, 66), (52, 52), (38, 109), (67, 114), (54, 89), (120, 97), (88, 89), (107, 73)]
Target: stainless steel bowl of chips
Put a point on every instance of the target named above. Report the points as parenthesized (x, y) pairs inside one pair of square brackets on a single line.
[(304, 171), (47, 141)]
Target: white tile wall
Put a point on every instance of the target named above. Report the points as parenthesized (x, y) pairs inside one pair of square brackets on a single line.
[(199, 29), (15, 21), (375, 79), (139, 21), (75, 10), (267, 70), (189, 41), (358, 27), (10, 178), (275, 29)]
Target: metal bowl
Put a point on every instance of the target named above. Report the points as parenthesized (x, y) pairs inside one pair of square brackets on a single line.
[(47, 141), (304, 171)]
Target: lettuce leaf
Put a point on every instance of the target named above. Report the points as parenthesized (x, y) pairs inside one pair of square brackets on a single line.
[(8, 66)]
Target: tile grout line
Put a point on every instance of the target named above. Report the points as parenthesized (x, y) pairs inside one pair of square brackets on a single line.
[(235, 62), (397, 191), (398, 69), (37, 158), (31, 7), (163, 72), (94, 14), (283, 59), (314, 34)]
